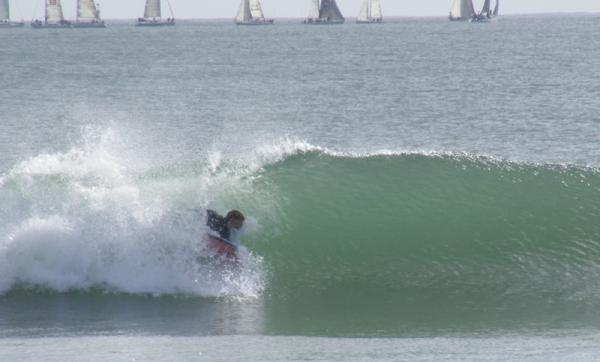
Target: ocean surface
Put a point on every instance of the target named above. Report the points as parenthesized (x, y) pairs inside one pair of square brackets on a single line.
[(414, 190)]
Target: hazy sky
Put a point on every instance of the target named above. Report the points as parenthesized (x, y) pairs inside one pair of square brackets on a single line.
[(116, 9)]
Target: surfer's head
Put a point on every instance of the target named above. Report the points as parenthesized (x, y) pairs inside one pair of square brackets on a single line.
[(235, 219)]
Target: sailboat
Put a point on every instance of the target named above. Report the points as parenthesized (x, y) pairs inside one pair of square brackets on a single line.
[(462, 10), (325, 13), (496, 8), (250, 13), (53, 17), (88, 15), (5, 16), (152, 15), (486, 13), (370, 12)]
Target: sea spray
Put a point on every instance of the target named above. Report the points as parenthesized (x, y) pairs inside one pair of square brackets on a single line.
[(88, 218)]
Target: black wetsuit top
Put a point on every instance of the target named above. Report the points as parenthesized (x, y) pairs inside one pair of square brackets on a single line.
[(218, 224)]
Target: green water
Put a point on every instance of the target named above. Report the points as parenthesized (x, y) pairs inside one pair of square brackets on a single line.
[(416, 241)]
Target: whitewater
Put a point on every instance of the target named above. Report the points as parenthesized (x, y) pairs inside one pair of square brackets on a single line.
[(82, 219)]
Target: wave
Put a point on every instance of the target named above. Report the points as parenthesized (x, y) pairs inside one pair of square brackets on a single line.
[(441, 229), (414, 228)]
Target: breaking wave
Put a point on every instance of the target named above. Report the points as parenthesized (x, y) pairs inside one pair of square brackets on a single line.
[(86, 218), (423, 230)]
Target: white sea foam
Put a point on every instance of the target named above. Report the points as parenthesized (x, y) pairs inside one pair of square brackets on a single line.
[(85, 218)]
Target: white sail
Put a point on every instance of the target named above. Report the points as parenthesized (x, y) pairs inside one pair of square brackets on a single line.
[(313, 9), (244, 13), (256, 9), (54, 12), (496, 8), (462, 9), (486, 8), (376, 10), (364, 13), (4, 10), (86, 10), (152, 10), (370, 11)]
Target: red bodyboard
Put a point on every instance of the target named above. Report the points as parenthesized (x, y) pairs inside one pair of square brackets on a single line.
[(221, 247)]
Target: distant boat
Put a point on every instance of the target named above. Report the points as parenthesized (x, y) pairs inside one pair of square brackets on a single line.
[(5, 16), (496, 8), (486, 13), (370, 12), (88, 15), (152, 15), (462, 10), (53, 17), (250, 13), (325, 13)]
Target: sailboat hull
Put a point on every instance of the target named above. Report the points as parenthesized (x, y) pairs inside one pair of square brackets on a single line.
[(40, 25), (480, 19), (322, 22), (155, 23), (372, 21), (458, 19), (256, 22), (11, 25), (99, 24)]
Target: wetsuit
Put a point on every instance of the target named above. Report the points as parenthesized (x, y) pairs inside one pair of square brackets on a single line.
[(218, 224)]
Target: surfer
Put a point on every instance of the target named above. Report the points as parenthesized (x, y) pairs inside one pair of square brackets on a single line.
[(223, 233)]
